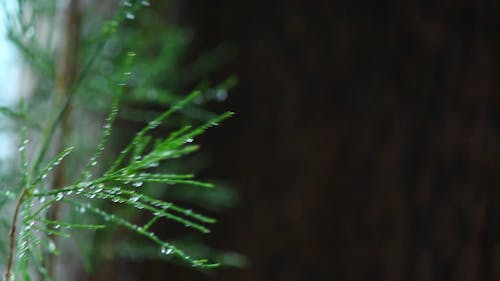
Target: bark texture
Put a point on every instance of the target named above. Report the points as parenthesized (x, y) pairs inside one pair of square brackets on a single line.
[(366, 143)]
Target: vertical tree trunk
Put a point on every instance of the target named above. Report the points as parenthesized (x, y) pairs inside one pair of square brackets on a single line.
[(67, 70)]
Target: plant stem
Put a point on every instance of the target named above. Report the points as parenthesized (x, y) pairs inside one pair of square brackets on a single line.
[(10, 263)]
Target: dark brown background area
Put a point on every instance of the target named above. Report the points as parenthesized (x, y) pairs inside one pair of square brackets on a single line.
[(366, 140)]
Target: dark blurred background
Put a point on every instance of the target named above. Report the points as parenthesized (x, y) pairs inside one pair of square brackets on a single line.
[(365, 145)]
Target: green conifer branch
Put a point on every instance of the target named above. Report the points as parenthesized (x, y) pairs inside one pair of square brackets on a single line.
[(33, 230)]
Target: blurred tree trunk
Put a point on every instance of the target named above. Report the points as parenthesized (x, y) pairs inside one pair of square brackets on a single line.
[(366, 139), (64, 267)]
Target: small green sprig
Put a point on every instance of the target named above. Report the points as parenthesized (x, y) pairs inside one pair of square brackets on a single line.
[(122, 185)]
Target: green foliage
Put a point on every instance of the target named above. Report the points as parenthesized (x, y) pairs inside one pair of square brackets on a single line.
[(100, 193)]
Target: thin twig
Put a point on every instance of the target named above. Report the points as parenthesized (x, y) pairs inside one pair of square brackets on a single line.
[(8, 273)]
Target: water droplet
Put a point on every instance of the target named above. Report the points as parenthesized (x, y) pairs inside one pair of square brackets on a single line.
[(51, 247), (166, 153), (145, 3), (127, 4), (189, 140), (135, 198), (137, 184), (59, 196), (93, 163), (153, 124), (129, 16), (85, 185), (29, 225), (221, 95), (166, 251), (154, 164)]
